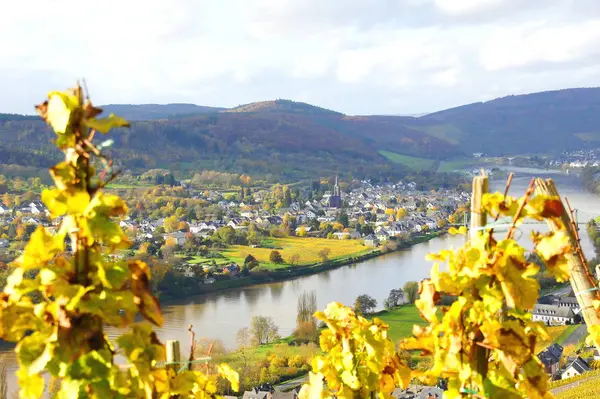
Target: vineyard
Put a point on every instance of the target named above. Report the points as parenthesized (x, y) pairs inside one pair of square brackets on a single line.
[(67, 287)]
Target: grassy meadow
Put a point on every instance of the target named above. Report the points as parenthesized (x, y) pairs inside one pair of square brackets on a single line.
[(306, 249), (414, 163), (401, 321)]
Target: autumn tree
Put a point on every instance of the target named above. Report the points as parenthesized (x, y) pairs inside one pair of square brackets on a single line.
[(411, 291), (171, 223), (324, 254), (306, 324), (263, 330), (295, 258), (395, 298), (400, 213), (364, 304), (250, 262), (275, 257)]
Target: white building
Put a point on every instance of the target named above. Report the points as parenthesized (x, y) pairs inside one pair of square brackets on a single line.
[(553, 315)]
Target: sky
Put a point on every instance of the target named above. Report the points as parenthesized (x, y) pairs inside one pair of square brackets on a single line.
[(354, 56)]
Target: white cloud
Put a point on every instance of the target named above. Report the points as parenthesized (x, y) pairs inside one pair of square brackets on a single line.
[(356, 56), (533, 44), (467, 7)]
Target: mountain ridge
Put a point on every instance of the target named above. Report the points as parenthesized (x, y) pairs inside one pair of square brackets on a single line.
[(295, 139)]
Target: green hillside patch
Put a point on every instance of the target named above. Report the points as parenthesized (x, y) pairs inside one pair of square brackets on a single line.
[(414, 163), (447, 132), (590, 136), (458, 164), (401, 321)]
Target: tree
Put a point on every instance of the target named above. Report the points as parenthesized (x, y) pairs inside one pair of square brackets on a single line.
[(263, 330), (364, 304), (306, 324), (324, 253), (275, 257), (295, 258), (243, 338), (343, 218), (411, 291), (400, 213), (250, 262), (171, 223), (302, 232), (394, 299)]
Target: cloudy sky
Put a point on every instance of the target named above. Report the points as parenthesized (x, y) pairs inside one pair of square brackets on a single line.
[(354, 56)]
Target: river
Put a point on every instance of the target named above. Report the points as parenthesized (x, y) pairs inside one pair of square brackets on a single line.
[(221, 315)]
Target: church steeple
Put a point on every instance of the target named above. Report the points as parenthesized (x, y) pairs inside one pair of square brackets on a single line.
[(335, 201), (336, 188)]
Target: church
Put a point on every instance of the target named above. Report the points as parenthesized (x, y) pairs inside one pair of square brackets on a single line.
[(335, 201)]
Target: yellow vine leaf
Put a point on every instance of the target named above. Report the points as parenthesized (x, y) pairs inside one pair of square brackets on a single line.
[(230, 375), (552, 247), (82, 289), (40, 249), (31, 385), (104, 125), (60, 108)]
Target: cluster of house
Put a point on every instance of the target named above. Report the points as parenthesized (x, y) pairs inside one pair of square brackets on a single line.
[(31, 213), (577, 159), (561, 310), (412, 392), (422, 209), (574, 366)]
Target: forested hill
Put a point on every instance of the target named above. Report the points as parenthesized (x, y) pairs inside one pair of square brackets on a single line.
[(538, 122), (141, 112), (293, 139)]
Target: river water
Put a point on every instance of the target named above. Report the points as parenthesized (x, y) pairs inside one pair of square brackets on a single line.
[(221, 315)]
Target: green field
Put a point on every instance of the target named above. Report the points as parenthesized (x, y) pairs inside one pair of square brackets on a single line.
[(414, 163), (566, 333), (446, 132), (305, 250), (452, 165), (401, 321), (589, 136)]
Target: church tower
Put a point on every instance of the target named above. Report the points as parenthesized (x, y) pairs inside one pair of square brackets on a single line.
[(335, 201)]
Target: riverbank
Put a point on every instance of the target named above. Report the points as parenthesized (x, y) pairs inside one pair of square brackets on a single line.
[(286, 362), (287, 273)]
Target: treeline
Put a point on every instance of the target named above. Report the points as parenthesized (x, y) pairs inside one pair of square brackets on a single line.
[(591, 179)]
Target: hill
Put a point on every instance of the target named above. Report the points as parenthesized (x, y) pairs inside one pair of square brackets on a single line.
[(294, 139), (538, 122), (140, 112), (280, 138), (287, 106)]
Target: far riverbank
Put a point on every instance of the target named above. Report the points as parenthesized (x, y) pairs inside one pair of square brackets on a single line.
[(293, 272)]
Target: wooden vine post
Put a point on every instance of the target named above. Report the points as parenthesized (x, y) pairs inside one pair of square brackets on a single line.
[(478, 216), (583, 283), (173, 355), (478, 222)]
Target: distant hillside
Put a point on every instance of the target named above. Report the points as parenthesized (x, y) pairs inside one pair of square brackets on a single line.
[(286, 106), (140, 112), (281, 138), (294, 139), (17, 117), (539, 122)]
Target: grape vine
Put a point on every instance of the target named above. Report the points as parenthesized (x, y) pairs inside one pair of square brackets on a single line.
[(482, 344), (66, 287)]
